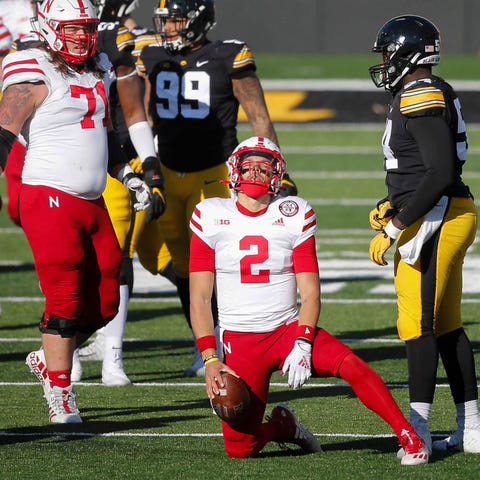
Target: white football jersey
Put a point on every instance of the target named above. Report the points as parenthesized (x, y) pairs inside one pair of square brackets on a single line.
[(254, 277), (5, 37), (16, 15), (66, 135)]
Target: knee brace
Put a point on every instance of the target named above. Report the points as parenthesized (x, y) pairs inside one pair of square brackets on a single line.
[(58, 326)]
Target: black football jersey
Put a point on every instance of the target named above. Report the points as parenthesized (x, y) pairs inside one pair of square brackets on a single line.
[(430, 96), (118, 43), (192, 102)]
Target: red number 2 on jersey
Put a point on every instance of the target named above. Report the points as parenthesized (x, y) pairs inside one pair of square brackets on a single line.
[(246, 263)]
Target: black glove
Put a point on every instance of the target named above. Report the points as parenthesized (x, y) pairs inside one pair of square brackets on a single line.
[(287, 186), (153, 177)]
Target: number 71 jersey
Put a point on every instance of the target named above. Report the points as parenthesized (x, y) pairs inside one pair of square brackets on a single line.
[(192, 102), (66, 134), (254, 274)]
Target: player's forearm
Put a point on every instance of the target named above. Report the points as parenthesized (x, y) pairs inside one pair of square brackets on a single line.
[(249, 93), (309, 288), (201, 317)]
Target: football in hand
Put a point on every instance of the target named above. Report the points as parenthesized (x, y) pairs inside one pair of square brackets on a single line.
[(233, 401)]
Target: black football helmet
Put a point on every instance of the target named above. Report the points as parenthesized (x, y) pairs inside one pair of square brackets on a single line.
[(113, 10), (405, 42), (199, 16)]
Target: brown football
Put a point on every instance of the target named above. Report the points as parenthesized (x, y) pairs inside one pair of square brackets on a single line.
[(233, 402)]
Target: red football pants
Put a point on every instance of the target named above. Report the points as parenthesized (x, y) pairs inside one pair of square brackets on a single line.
[(76, 253), (254, 357)]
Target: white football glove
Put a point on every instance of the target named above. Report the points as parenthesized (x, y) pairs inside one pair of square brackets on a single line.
[(298, 364), (141, 190)]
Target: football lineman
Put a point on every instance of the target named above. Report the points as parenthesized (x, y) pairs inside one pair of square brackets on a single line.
[(56, 95), (130, 123), (195, 87), (431, 215), (257, 249)]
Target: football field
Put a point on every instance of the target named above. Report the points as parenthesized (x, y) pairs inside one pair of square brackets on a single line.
[(162, 426)]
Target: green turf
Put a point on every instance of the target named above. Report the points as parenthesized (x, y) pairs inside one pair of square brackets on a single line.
[(326, 66), (162, 426)]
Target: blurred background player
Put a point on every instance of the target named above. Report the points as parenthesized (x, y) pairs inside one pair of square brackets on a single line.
[(258, 258), (130, 123), (15, 18), (194, 89), (56, 94), (15, 24), (431, 212)]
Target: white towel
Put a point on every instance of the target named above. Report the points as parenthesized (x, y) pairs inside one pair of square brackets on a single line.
[(410, 251)]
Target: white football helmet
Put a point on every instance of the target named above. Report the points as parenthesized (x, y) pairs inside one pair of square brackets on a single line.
[(55, 15), (259, 146)]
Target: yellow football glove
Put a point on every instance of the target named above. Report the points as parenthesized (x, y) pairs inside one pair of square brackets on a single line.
[(378, 246), (137, 166), (381, 215)]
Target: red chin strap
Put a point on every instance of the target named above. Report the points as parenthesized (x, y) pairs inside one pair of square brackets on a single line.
[(254, 189)]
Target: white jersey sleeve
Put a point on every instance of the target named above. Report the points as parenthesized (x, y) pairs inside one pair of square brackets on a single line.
[(254, 278), (16, 15), (5, 38), (66, 135)]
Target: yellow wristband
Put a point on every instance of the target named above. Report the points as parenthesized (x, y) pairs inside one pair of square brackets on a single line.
[(211, 359)]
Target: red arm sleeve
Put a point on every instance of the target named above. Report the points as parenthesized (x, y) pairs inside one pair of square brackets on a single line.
[(304, 257), (202, 257)]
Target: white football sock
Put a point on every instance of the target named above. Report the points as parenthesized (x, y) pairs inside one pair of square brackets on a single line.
[(115, 329), (467, 414), (420, 412)]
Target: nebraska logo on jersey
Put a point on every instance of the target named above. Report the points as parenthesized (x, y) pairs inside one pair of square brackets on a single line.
[(289, 208)]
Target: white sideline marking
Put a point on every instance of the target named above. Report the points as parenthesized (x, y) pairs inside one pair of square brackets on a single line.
[(175, 299), (186, 435), (202, 384), (177, 435)]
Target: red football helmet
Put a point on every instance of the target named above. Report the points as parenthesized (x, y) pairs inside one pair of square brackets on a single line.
[(56, 17), (238, 163)]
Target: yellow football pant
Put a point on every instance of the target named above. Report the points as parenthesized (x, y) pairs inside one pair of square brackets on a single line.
[(145, 238), (430, 291), (182, 192), (119, 206)]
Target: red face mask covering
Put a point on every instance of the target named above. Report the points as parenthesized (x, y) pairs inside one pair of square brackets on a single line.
[(254, 189)]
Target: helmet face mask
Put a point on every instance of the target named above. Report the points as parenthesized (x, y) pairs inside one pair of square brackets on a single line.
[(182, 23), (406, 42), (69, 28), (259, 176)]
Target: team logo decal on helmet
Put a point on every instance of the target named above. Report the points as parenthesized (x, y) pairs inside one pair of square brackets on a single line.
[(238, 163), (68, 27), (193, 17), (405, 42)]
